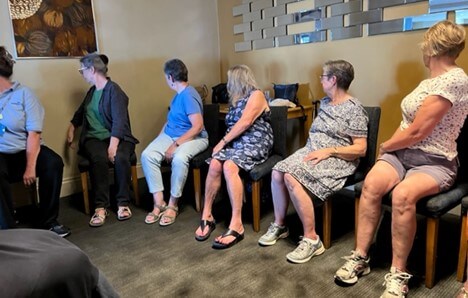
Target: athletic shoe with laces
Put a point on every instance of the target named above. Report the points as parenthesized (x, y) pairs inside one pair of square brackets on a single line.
[(306, 250), (274, 233), (60, 230), (396, 283), (355, 267)]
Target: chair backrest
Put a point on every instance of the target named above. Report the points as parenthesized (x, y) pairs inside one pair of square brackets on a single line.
[(462, 144), (368, 160), (211, 122), (279, 119)]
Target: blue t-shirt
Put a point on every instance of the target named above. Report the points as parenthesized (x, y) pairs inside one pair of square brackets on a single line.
[(21, 111), (184, 104)]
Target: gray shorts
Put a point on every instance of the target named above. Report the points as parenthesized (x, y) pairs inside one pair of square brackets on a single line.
[(410, 161)]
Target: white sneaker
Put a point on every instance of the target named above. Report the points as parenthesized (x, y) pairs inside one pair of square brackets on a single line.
[(396, 283), (355, 267), (306, 250), (274, 233)]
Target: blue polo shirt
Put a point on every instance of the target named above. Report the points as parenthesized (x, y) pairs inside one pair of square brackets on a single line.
[(21, 111), (184, 104)]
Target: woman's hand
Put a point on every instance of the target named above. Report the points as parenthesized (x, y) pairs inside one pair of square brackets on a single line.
[(112, 150), (318, 155), (170, 152), (71, 136), (218, 147), (29, 176)]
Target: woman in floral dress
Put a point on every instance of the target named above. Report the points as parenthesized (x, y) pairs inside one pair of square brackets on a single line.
[(248, 142)]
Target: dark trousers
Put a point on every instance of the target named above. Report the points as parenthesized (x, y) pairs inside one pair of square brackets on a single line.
[(49, 170), (96, 152)]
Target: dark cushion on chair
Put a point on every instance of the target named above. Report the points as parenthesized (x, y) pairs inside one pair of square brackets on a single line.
[(464, 204), (432, 206), (83, 162), (260, 171), (200, 159)]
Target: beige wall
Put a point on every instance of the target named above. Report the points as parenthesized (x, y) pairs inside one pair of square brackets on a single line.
[(138, 36), (387, 67)]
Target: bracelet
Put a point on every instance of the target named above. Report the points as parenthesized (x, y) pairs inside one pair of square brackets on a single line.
[(177, 144), (224, 140), (335, 153)]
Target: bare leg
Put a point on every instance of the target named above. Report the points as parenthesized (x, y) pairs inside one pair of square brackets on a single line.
[(380, 180), (280, 196), (303, 204), (213, 183), (158, 200), (404, 199), (236, 193)]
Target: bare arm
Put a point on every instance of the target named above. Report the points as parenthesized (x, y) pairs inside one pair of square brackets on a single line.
[(197, 126), (33, 146), (256, 105), (433, 109), (351, 152)]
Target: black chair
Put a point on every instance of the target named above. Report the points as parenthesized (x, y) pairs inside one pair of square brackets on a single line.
[(463, 241), (211, 122), (365, 165), (279, 117), (433, 207), (84, 165)]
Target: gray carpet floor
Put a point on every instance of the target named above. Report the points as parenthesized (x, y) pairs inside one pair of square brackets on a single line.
[(143, 260)]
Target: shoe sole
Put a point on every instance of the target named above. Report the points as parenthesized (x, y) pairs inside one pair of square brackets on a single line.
[(269, 243), (354, 280), (318, 252)]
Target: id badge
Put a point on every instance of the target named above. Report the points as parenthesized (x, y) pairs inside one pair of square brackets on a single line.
[(2, 129)]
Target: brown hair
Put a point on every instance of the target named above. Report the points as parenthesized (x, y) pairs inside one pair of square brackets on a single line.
[(444, 38)]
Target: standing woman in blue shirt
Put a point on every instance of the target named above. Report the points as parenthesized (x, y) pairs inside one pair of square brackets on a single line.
[(23, 155), (105, 137), (182, 137)]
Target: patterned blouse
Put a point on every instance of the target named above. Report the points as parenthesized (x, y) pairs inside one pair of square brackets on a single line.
[(453, 86)]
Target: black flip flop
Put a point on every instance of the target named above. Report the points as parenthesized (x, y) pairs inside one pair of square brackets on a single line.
[(211, 227), (237, 238)]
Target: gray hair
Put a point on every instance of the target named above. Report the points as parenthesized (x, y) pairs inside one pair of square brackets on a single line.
[(97, 61), (241, 82)]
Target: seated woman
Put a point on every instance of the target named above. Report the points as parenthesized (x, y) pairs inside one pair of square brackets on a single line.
[(106, 137), (419, 160), (183, 136), (248, 142), (337, 138)]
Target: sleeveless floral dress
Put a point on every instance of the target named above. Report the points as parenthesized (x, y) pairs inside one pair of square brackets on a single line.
[(254, 146)]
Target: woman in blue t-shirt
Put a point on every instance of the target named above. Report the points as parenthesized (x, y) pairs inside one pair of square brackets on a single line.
[(106, 137), (182, 137)]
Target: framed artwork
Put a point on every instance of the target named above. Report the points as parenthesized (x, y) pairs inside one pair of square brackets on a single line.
[(54, 28)]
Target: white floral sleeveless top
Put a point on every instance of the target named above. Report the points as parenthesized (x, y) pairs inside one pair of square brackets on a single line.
[(453, 86)]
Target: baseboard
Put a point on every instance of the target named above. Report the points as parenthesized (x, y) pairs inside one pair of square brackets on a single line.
[(72, 185)]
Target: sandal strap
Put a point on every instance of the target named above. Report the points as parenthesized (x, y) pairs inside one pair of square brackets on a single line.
[(230, 232), (161, 208), (123, 209), (176, 209), (206, 223)]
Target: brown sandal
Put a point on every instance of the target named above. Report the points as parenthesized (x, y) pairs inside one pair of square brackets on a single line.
[(151, 218), (171, 219), (121, 213)]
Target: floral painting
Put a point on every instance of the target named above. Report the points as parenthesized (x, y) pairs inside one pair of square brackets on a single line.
[(59, 28)]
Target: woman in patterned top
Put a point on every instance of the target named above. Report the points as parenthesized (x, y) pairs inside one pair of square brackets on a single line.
[(337, 138), (248, 142), (419, 160)]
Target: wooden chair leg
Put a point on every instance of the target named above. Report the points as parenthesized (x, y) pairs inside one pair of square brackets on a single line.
[(432, 232), (463, 250), (256, 205), (84, 185), (135, 185), (356, 219), (197, 188), (327, 218)]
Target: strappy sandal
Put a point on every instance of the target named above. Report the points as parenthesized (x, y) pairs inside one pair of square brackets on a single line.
[(151, 218), (463, 293), (237, 238), (97, 219), (167, 220), (121, 213), (211, 227)]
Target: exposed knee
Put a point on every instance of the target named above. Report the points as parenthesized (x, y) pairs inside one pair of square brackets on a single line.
[(290, 181), (215, 168), (402, 201), (230, 169), (277, 177)]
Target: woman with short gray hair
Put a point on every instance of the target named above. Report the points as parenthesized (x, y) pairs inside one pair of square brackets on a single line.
[(106, 137)]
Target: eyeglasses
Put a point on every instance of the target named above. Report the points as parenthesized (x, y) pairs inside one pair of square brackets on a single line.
[(80, 70), (325, 76)]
